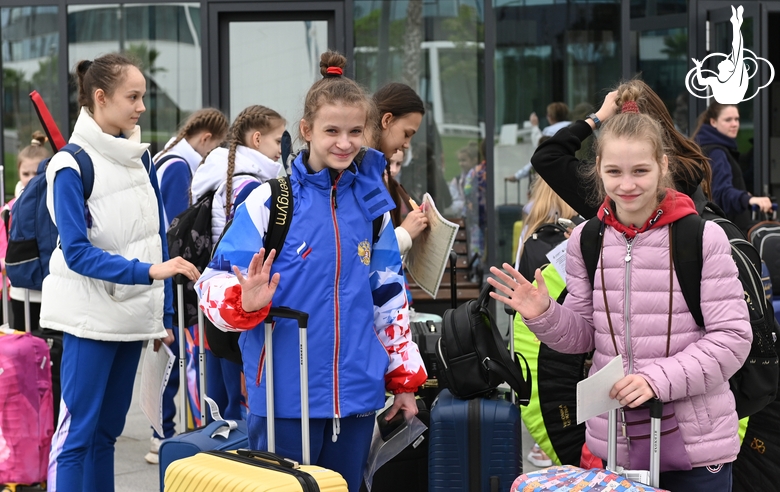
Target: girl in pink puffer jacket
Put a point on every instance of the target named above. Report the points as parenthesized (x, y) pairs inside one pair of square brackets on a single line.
[(632, 311)]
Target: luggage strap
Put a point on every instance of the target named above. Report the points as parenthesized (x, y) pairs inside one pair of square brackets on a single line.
[(226, 425)]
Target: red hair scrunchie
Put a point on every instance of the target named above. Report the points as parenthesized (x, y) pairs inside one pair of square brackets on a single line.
[(630, 107), (335, 71)]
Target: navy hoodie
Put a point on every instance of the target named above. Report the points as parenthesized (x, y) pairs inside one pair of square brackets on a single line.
[(728, 190)]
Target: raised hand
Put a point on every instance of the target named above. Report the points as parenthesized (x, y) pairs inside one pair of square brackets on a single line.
[(520, 294), (256, 289)]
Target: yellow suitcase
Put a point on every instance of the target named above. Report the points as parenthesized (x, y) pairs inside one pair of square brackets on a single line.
[(260, 471), (228, 471)]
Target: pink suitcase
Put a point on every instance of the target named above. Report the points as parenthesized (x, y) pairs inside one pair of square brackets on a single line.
[(26, 409)]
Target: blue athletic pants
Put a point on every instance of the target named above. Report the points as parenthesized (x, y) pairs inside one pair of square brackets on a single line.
[(347, 456), (223, 385), (97, 387)]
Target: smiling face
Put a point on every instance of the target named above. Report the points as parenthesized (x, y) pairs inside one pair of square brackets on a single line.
[(397, 132), (334, 136), (119, 112), (631, 177), (727, 122), (269, 143)]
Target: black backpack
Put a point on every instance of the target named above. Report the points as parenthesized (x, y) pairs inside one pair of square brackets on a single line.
[(755, 384), (541, 241), (473, 358)]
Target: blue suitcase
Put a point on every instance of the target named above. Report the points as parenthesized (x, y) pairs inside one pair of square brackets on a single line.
[(475, 445), (219, 435)]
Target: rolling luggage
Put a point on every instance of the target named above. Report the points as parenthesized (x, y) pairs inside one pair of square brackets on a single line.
[(475, 445), (613, 478), (259, 471), (53, 339), (26, 408), (220, 434), (765, 236)]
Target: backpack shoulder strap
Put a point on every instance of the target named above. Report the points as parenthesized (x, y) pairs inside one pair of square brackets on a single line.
[(280, 214), (687, 255), (85, 167), (377, 228), (590, 243), (168, 157), (146, 159)]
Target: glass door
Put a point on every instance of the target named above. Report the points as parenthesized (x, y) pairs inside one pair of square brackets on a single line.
[(270, 56)]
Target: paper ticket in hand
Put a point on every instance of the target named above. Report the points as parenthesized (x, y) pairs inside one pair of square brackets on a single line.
[(593, 392)]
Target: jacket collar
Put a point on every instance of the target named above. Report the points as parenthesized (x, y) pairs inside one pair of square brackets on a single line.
[(674, 206), (213, 172), (184, 150), (364, 177), (125, 151)]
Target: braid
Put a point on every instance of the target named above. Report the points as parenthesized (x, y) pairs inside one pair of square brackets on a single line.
[(211, 120), (256, 117)]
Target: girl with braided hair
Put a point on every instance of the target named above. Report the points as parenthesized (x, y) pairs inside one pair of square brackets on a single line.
[(201, 133), (252, 157)]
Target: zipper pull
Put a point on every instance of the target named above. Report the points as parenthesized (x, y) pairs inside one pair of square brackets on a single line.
[(628, 250), (333, 197)]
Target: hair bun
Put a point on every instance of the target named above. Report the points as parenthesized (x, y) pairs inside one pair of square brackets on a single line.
[(630, 107), (38, 138), (331, 60)]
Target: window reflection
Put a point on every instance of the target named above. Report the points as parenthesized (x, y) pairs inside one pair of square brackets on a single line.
[(662, 58), (30, 44), (437, 48), (546, 52), (165, 39)]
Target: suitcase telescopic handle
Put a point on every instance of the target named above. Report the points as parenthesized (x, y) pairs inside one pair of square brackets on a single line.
[(656, 413), (285, 312), (303, 320)]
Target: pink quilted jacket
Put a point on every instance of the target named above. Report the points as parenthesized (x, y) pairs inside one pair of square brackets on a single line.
[(695, 375)]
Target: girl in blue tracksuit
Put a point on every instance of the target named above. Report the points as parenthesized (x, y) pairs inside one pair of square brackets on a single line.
[(332, 268), (203, 131), (105, 288)]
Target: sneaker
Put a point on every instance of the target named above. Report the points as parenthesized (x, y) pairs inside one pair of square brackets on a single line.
[(539, 458), (152, 456)]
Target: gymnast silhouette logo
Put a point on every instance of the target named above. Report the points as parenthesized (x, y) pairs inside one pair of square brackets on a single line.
[(730, 84)]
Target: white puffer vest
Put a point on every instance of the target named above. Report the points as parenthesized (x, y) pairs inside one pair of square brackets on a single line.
[(125, 222)]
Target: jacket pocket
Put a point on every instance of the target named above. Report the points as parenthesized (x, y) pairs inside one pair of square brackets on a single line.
[(122, 292), (701, 412)]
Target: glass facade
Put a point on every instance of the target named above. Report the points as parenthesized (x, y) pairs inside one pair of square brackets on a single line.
[(541, 51), (436, 47), (661, 56), (165, 39), (30, 46)]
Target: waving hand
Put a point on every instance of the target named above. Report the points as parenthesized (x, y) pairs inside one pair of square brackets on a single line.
[(519, 293)]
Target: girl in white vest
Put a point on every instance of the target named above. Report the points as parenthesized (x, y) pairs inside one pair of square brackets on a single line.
[(109, 285)]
